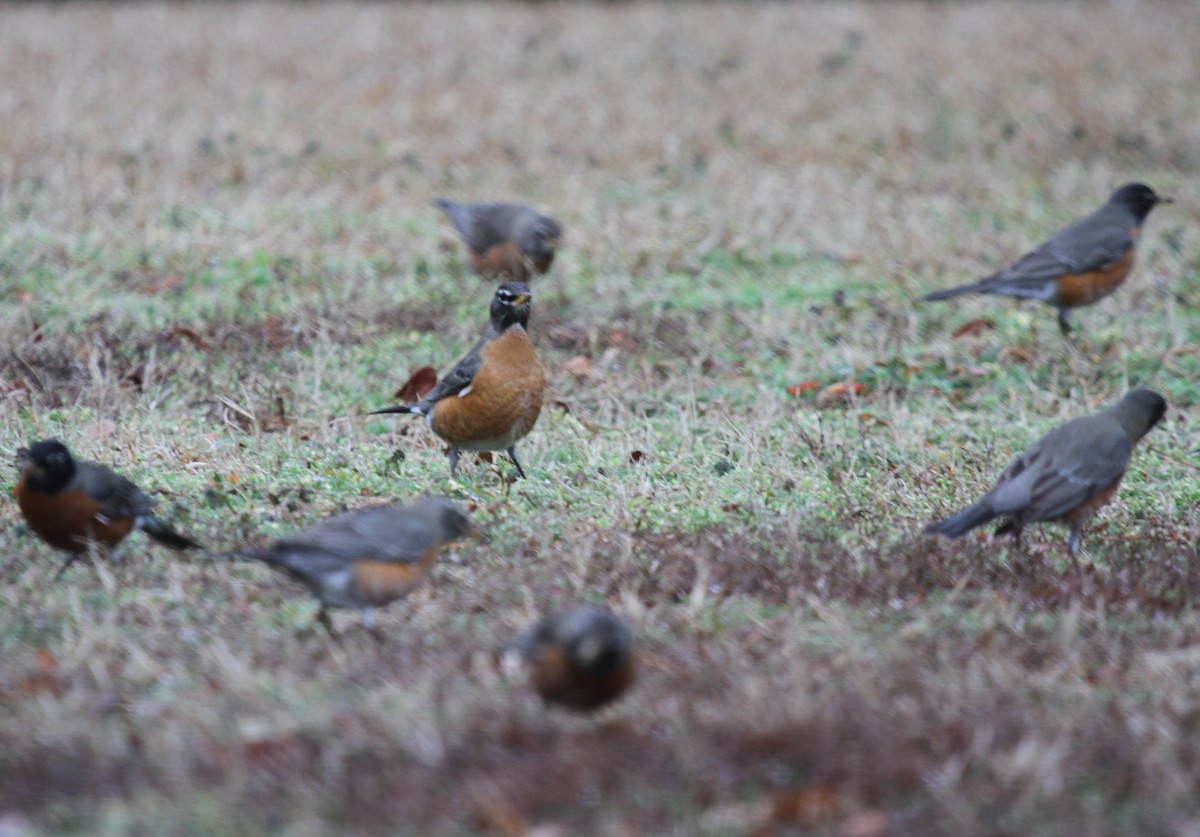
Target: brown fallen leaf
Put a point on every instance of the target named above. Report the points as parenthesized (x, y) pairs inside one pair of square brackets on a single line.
[(44, 679), (158, 286), (864, 824), (1010, 354), (580, 367), (973, 328), (804, 387), (192, 336), (844, 392), (101, 429), (591, 427), (813, 804), (418, 385)]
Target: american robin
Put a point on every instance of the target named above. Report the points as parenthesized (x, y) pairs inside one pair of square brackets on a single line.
[(366, 558), (71, 504), (504, 238), (580, 658), (1067, 475), (492, 397), (1081, 264)]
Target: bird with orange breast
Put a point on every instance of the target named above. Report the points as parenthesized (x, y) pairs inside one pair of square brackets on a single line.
[(75, 505), (1082, 264), (492, 397), (581, 658), (1067, 475), (367, 558), (504, 239)]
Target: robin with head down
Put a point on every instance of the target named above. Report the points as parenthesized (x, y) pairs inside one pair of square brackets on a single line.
[(504, 239), (581, 658), (1080, 265), (1067, 475), (72, 504), (367, 558), (491, 399)]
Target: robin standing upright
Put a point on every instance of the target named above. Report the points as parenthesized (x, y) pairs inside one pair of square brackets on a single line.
[(71, 504), (580, 658), (367, 558), (1067, 475), (1081, 264), (505, 238), (492, 397)]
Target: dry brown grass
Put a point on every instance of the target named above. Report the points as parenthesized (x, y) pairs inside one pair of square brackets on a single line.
[(216, 252)]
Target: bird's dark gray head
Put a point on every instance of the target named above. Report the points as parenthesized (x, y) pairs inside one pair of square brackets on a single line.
[(46, 465), (538, 235), (511, 305), (1140, 410), (1138, 198), (594, 638), (450, 519)]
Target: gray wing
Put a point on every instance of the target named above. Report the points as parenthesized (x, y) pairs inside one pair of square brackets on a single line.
[(117, 496), (379, 534), (1067, 467), (461, 375), (1092, 243), (485, 225)]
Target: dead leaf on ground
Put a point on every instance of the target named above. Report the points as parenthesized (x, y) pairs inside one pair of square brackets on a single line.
[(580, 367), (804, 387), (973, 328), (43, 680), (158, 286), (191, 335), (248, 421), (1010, 354), (101, 429), (809, 805), (418, 385), (844, 392), (865, 824), (591, 427)]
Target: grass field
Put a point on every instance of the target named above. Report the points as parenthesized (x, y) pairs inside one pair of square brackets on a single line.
[(217, 253)]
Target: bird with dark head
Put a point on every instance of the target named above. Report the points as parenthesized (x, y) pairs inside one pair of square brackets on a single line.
[(367, 558), (74, 505), (492, 397), (504, 239), (581, 658), (1067, 475), (1082, 264)]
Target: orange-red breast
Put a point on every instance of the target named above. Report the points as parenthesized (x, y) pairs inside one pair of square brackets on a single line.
[(71, 504), (581, 658), (491, 399), (366, 558), (504, 239), (1080, 265)]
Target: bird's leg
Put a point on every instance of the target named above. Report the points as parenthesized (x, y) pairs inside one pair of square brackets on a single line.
[(454, 462), (323, 618), (368, 621), (1075, 541), (512, 453), (1063, 324), (70, 560)]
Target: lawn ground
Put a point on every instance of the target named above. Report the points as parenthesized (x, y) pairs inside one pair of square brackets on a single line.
[(217, 253)]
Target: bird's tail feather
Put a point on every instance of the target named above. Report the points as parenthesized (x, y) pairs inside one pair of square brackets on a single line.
[(397, 408), (958, 525), (167, 536), (950, 293)]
